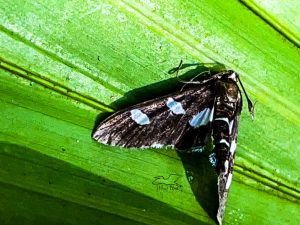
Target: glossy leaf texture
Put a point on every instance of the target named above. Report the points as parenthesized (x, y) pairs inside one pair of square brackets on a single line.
[(64, 65)]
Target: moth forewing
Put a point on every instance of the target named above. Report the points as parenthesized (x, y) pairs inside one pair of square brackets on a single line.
[(181, 120)]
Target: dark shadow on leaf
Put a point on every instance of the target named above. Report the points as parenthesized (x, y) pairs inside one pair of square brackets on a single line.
[(48, 190), (100, 118), (203, 181), (164, 87)]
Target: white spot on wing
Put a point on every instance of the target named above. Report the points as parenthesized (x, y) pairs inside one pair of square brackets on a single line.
[(139, 117), (175, 107), (157, 145), (201, 119), (232, 147), (228, 182)]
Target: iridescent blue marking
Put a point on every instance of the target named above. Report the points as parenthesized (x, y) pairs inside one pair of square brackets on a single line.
[(175, 107), (139, 117), (212, 159), (201, 119), (198, 149)]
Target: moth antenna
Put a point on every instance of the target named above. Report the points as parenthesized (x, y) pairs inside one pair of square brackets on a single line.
[(250, 104), (178, 68)]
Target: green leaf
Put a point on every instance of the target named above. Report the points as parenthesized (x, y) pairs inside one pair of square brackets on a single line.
[(64, 64), (283, 16)]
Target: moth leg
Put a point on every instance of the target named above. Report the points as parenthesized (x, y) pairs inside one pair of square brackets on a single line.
[(192, 80)]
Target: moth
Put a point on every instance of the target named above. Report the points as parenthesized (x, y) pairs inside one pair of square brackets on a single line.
[(186, 120)]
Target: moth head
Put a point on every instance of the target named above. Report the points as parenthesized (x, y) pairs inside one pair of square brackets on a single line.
[(228, 85)]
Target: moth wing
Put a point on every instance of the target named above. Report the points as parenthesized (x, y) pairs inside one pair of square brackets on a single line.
[(180, 120)]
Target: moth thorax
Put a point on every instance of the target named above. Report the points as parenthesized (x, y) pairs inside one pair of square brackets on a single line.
[(227, 95), (227, 90)]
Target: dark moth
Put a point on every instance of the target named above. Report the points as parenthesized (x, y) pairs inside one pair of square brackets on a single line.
[(185, 120)]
